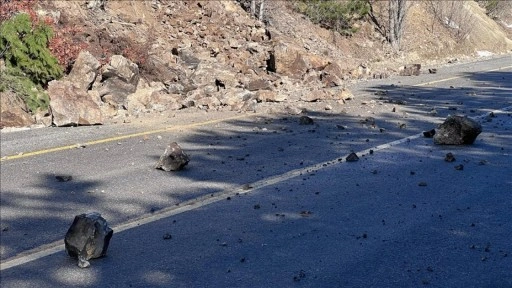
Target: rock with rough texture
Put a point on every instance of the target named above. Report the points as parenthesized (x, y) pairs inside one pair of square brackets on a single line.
[(306, 120), (189, 59), (449, 157), (429, 134), (173, 159), (88, 238), (314, 95), (70, 105), (151, 98), (344, 94), (288, 60), (258, 84), (352, 157), (270, 96), (85, 70), (119, 79), (410, 70), (332, 75), (457, 130), (212, 76), (13, 111)]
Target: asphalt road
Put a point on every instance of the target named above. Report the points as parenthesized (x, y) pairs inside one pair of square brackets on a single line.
[(266, 202)]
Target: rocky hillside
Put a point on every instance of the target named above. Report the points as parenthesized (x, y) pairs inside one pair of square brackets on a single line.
[(153, 56)]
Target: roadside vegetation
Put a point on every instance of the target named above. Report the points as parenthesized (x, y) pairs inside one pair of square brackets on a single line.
[(33, 53), (339, 16)]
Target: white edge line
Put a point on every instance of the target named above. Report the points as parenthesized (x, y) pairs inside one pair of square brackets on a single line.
[(55, 247)]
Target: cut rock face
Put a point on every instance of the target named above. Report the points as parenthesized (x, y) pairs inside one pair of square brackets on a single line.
[(457, 130), (173, 159), (88, 238)]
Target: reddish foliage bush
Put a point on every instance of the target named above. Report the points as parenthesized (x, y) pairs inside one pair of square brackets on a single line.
[(11, 7), (65, 45)]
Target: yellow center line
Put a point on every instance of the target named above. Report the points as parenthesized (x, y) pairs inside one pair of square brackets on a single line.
[(117, 138)]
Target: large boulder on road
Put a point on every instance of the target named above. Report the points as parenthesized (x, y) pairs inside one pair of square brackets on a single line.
[(71, 106), (457, 130), (173, 159), (88, 238)]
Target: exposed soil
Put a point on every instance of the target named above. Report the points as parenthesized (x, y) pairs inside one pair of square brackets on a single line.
[(151, 32)]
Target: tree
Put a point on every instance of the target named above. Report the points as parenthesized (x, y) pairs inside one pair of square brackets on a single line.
[(395, 15), (397, 12), (261, 8)]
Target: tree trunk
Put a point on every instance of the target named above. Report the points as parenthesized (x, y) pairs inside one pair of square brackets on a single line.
[(397, 12), (260, 17), (253, 7)]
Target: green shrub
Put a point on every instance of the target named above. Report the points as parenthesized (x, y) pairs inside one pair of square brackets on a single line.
[(334, 14), (29, 63), (24, 47), (33, 95)]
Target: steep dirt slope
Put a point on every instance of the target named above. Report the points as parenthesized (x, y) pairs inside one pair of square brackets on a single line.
[(159, 26)]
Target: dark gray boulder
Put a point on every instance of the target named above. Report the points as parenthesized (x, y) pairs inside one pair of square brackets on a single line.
[(88, 238), (457, 130), (306, 120), (173, 159)]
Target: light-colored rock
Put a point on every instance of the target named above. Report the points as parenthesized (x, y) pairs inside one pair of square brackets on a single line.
[(44, 118), (173, 159), (410, 70), (270, 96), (213, 75), (332, 75), (314, 95), (85, 70), (70, 105), (13, 111), (344, 94), (287, 60), (258, 84), (119, 79), (208, 102)]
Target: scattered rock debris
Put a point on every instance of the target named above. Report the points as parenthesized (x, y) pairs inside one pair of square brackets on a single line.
[(301, 275), (305, 213), (63, 178), (429, 134), (410, 70), (449, 157), (352, 157), (306, 120), (369, 121)]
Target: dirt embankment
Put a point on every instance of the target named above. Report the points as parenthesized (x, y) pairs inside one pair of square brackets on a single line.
[(244, 56), (159, 26)]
